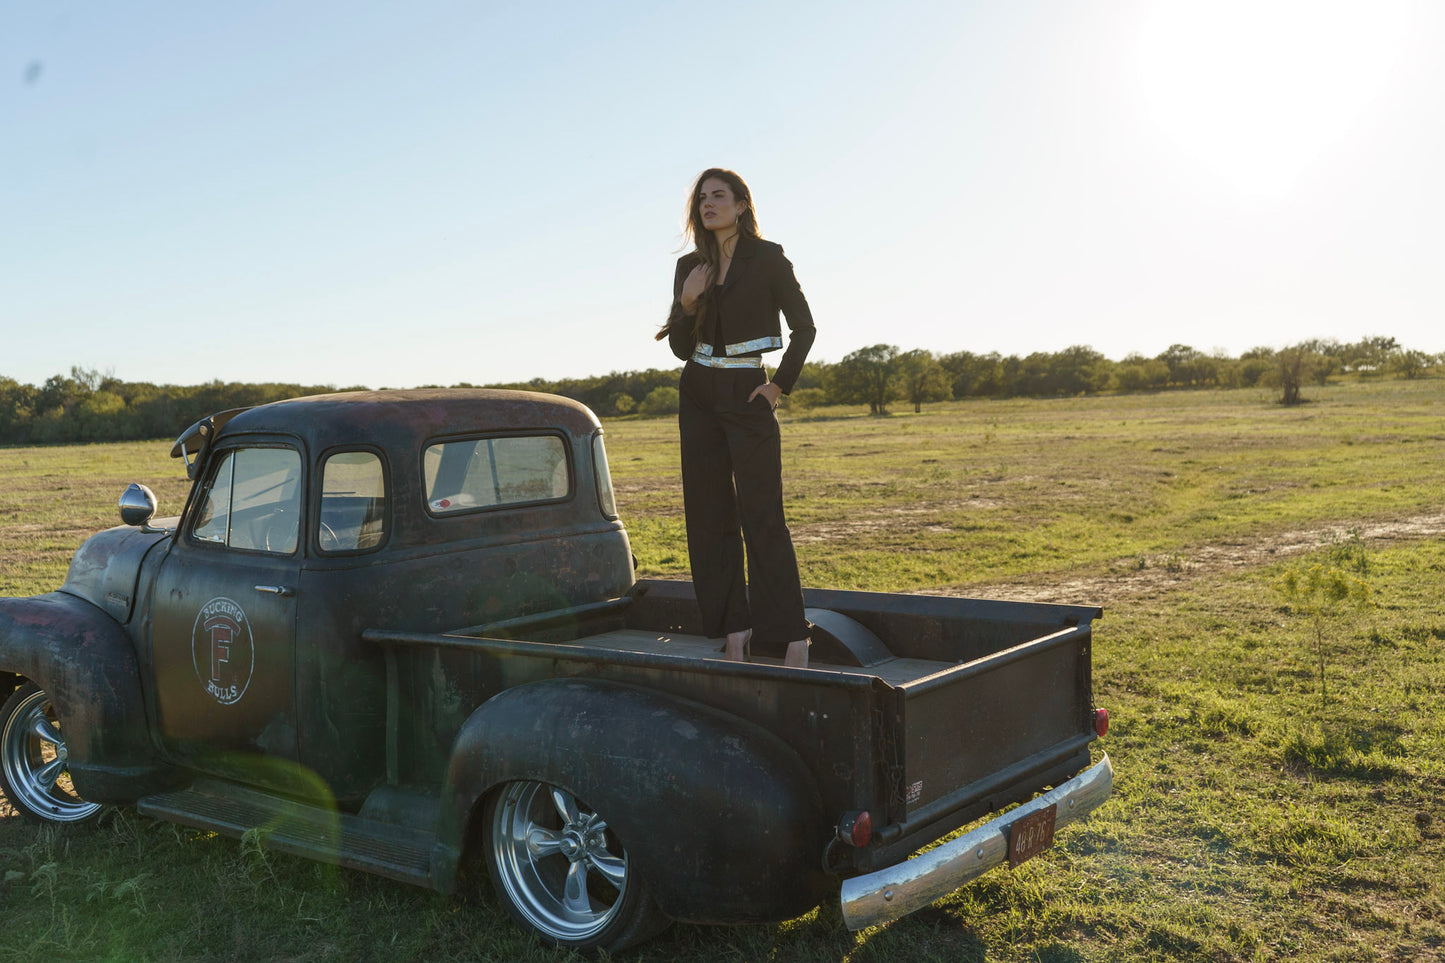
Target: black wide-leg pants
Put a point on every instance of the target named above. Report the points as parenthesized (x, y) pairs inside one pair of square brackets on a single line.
[(732, 487)]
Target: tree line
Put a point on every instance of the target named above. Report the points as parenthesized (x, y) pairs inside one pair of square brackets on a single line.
[(86, 406), (882, 374)]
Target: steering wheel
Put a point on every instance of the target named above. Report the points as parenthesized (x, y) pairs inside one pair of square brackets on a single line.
[(277, 528)]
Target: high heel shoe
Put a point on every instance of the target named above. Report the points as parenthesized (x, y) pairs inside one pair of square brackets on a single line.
[(738, 646), (797, 656)]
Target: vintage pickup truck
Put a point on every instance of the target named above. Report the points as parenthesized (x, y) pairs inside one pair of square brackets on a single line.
[(402, 631)]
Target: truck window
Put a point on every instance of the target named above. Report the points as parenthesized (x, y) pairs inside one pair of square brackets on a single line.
[(606, 500), (478, 473), (353, 502), (253, 501)]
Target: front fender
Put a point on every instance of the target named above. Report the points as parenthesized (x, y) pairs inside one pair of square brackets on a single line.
[(719, 816), (85, 662)]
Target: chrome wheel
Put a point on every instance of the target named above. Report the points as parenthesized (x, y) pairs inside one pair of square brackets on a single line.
[(562, 870), (33, 761)]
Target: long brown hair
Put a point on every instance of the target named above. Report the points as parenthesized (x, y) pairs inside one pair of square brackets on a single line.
[(705, 245)]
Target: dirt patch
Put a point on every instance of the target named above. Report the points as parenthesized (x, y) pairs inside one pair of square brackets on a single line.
[(874, 523), (1152, 576)]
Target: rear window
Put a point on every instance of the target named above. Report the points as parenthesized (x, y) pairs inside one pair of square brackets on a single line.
[(353, 503), (478, 473), (606, 500)]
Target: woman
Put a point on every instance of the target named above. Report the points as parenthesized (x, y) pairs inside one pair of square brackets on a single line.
[(726, 296)]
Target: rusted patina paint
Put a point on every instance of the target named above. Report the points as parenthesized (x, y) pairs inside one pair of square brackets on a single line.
[(105, 568), (85, 662), (719, 815)]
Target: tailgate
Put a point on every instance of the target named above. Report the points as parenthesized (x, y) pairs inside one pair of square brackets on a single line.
[(996, 729)]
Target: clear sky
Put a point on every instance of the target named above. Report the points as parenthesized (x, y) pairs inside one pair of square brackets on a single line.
[(436, 192)]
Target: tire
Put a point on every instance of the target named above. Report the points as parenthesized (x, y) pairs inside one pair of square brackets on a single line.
[(563, 873), (33, 771)]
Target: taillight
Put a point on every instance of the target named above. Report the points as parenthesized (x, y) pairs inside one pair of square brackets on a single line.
[(1101, 722), (856, 828)]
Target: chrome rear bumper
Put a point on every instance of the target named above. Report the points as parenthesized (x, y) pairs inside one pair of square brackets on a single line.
[(914, 883)]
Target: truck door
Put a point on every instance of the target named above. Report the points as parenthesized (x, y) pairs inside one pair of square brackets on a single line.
[(223, 632)]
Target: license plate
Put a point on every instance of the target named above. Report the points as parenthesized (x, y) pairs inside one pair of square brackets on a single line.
[(1031, 835)]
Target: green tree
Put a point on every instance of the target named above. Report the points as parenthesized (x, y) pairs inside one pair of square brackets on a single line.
[(17, 402), (1291, 370), (922, 378), (1138, 373), (1189, 367), (1078, 370), (974, 375), (1369, 355), (1411, 364), (814, 374), (1254, 366), (1329, 357), (867, 377), (1322, 366), (660, 401), (101, 415), (803, 399), (1032, 376)]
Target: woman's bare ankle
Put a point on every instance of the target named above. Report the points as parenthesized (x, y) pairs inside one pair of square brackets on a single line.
[(735, 648), (797, 656)]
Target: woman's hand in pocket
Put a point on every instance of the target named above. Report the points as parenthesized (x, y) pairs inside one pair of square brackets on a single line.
[(770, 392)]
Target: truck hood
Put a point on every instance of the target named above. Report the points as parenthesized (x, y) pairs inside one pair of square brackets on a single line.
[(105, 568)]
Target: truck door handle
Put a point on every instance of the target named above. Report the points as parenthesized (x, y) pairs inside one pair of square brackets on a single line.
[(285, 591)]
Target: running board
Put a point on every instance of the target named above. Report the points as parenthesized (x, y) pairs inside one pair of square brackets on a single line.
[(300, 829)]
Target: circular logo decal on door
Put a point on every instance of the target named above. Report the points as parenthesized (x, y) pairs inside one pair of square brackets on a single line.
[(221, 650)]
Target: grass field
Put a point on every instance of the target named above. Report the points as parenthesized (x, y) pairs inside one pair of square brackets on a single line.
[(1250, 820)]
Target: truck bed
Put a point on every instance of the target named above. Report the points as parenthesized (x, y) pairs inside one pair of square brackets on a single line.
[(926, 711), (895, 671)]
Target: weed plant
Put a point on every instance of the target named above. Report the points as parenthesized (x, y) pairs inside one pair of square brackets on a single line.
[(1326, 591)]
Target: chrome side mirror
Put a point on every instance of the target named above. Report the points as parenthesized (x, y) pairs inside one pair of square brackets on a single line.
[(138, 507)]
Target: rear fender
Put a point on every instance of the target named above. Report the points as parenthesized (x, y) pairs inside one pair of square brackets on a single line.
[(85, 662), (719, 816)]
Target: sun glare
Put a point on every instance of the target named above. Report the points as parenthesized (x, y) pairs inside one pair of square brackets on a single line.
[(1258, 92)]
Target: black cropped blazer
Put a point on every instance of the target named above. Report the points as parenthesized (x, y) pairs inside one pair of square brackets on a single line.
[(760, 284)]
